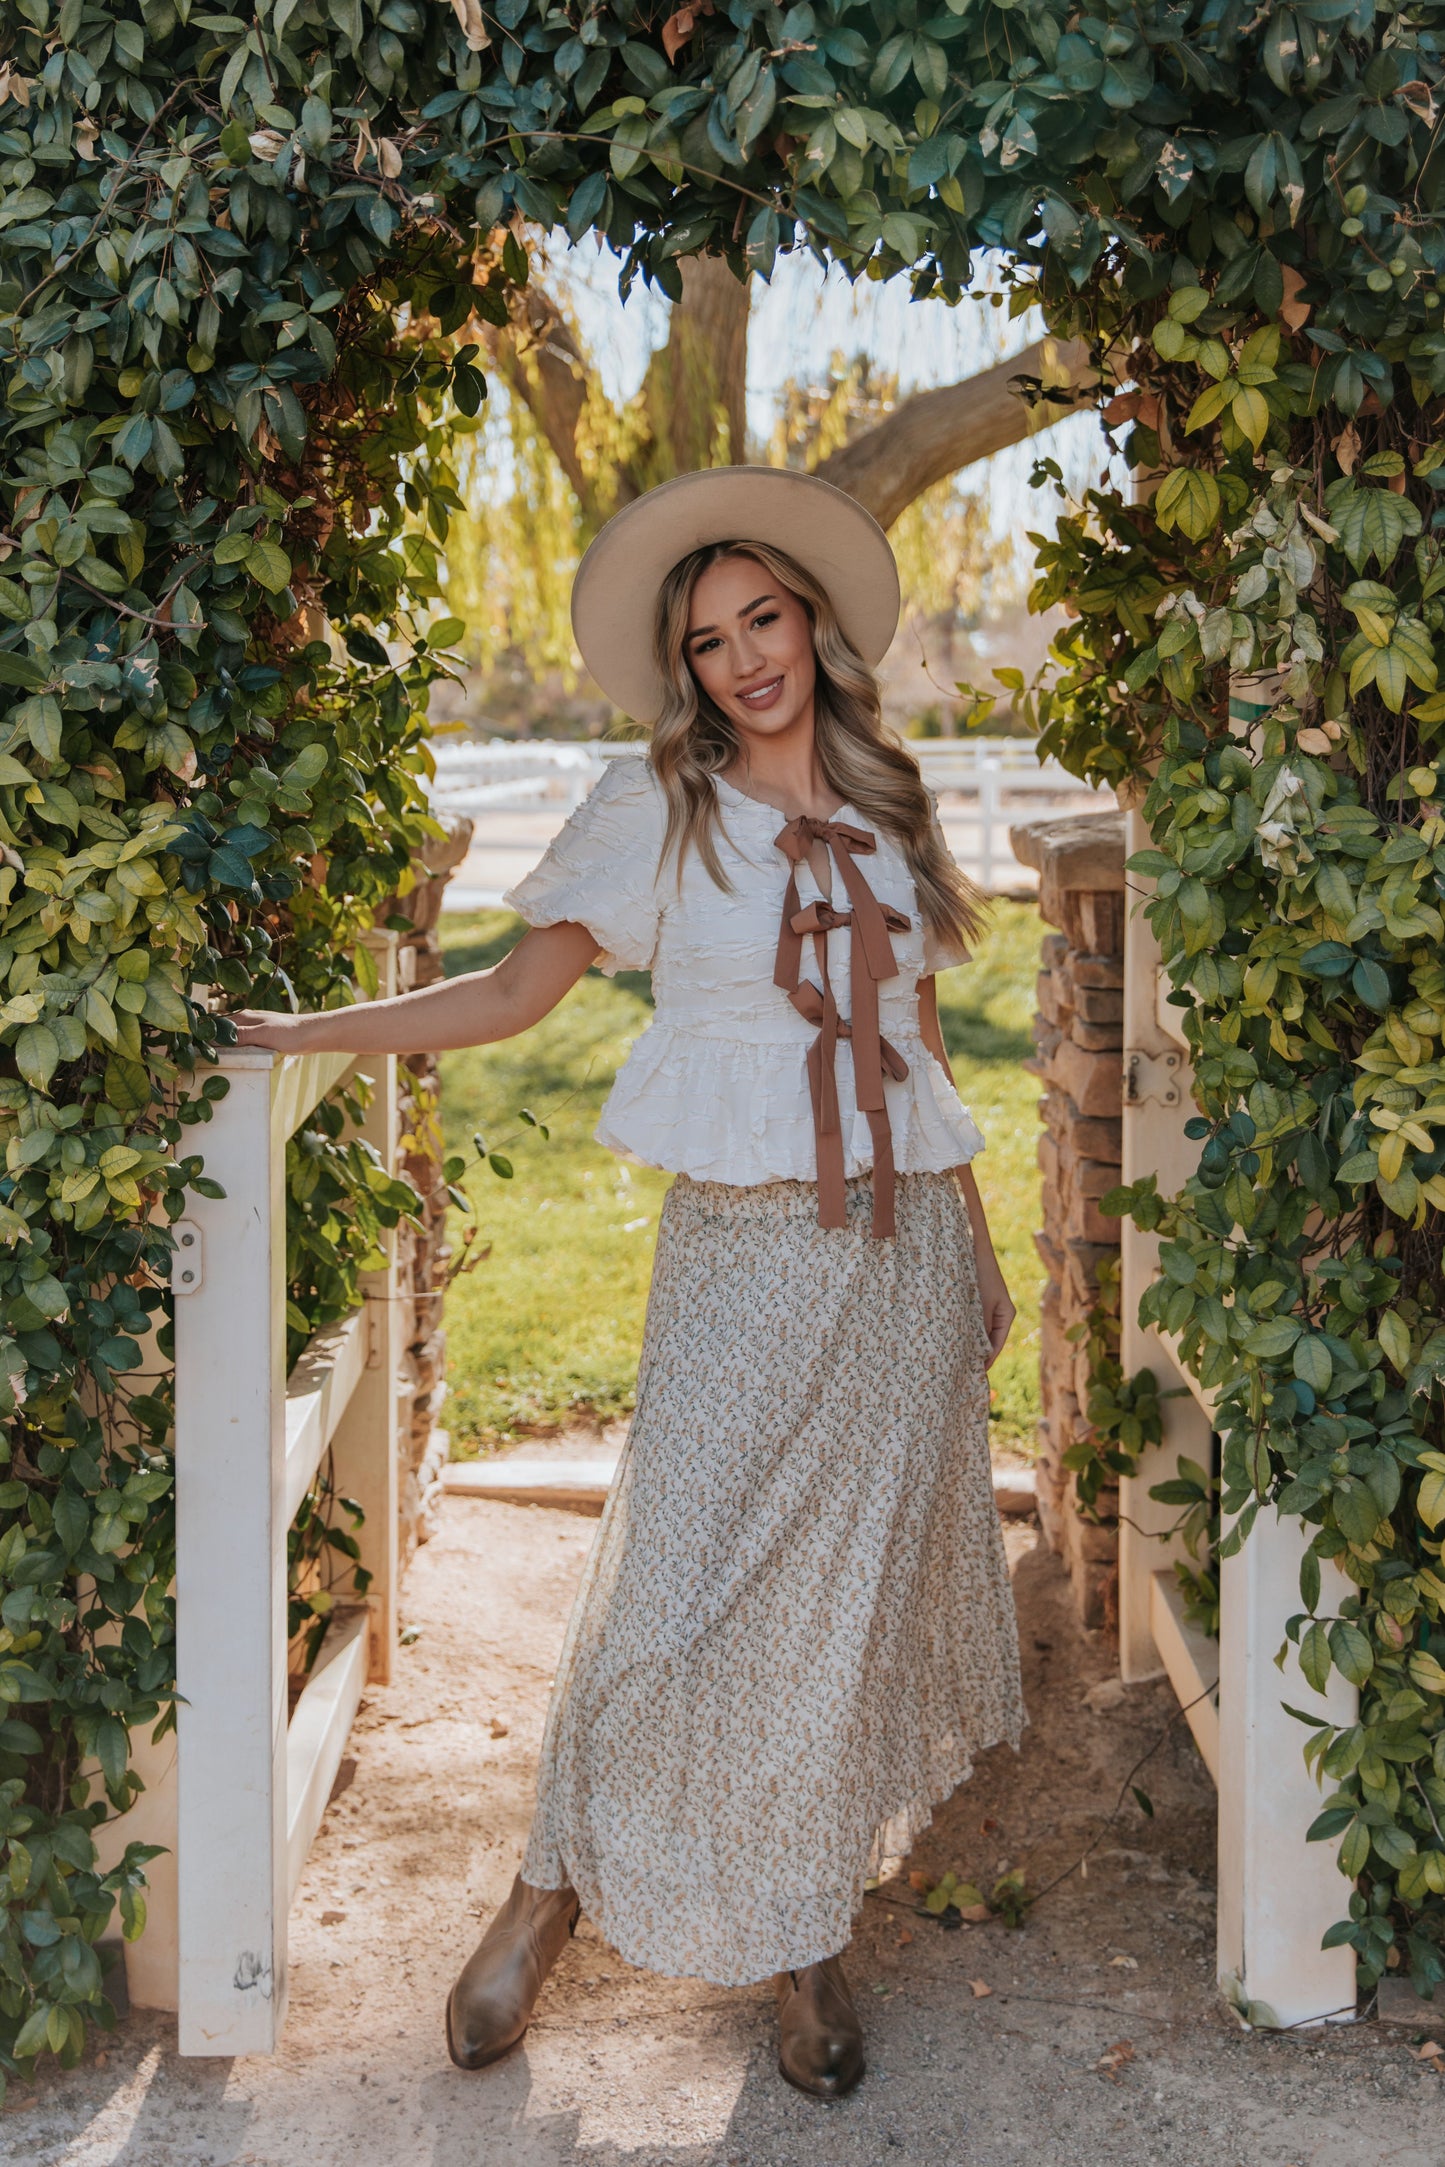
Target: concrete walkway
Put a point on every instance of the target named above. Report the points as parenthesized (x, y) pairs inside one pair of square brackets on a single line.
[(1090, 2039)]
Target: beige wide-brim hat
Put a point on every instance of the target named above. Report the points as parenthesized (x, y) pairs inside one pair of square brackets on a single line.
[(614, 596)]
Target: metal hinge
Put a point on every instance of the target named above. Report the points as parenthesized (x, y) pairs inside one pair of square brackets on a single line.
[(188, 1262), (1151, 1076)]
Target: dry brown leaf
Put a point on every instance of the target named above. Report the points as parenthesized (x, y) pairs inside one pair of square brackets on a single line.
[(1122, 407), (919, 1883), (1321, 527), (1124, 1963), (975, 1914), (981, 1989), (388, 157), (905, 1937), (469, 14), (85, 136), (1294, 314), (1312, 741), (679, 27), (1347, 448), (1430, 2052), (365, 146), (498, 1728)]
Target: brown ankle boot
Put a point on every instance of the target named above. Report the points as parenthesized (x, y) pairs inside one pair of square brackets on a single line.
[(491, 2004), (820, 2037)]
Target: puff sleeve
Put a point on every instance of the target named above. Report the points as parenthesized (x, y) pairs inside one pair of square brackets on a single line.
[(601, 869), (940, 952)]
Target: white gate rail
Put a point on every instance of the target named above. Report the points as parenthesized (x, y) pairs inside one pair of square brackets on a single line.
[(252, 1789)]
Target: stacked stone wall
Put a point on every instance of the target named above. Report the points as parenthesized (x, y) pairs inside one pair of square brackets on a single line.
[(1079, 1054)]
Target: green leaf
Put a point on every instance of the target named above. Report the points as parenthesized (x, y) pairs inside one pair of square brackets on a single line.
[(37, 1054), (1394, 1336), (269, 565), (1351, 1650), (1426, 1672), (1250, 410), (34, 2033), (1188, 499), (1430, 1503), (1312, 1363), (1272, 1338), (1314, 1655)]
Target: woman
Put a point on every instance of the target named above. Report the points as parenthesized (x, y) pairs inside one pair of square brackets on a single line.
[(795, 1627)]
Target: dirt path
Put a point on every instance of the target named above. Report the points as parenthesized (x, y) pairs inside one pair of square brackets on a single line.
[(1099, 2041)]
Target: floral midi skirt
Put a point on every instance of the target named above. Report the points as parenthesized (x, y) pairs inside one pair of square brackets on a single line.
[(795, 1628)]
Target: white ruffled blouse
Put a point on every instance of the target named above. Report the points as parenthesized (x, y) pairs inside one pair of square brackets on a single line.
[(717, 1086)]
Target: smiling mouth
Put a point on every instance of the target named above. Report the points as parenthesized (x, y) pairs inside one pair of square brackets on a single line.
[(762, 695)]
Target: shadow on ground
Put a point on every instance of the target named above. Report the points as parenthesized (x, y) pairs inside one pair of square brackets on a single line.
[(1091, 2038)]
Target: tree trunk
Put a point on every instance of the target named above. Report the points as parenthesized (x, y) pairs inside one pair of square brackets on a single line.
[(696, 387), (934, 433), (695, 401), (547, 370)]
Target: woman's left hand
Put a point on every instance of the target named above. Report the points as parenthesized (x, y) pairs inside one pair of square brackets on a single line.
[(997, 1305)]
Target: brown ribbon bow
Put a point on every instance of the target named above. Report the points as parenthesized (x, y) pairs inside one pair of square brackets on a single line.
[(872, 960)]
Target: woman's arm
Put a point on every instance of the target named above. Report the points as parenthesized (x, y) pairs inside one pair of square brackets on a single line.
[(472, 1011), (998, 1308)]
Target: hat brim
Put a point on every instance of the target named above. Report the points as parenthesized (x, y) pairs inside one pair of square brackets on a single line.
[(614, 596)]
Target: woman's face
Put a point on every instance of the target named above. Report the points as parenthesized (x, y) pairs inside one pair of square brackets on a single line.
[(750, 645)]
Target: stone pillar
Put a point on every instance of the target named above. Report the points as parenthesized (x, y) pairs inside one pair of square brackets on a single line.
[(1079, 1036), (423, 1255)]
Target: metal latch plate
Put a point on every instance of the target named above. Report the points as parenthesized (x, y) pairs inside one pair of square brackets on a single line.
[(188, 1259), (1152, 1076)]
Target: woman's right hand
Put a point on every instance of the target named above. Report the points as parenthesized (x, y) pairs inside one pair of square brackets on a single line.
[(266, 1028)]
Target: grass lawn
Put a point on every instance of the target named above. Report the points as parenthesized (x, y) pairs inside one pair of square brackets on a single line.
[(548, 1328)]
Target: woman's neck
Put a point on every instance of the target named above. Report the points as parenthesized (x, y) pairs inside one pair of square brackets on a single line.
[(785, 772)]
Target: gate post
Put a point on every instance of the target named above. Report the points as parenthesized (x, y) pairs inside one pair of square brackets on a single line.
[(364, 1449), (1277, 1893), (1156, 1106), (231, 1581)]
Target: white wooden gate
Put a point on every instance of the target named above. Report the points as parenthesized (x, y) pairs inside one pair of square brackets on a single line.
[(1277, 1893), (252, 1787)]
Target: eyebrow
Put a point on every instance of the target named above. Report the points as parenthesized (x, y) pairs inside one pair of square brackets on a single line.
[(698, 631)]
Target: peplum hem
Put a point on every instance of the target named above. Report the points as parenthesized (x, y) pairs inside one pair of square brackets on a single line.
[(738, 1110)]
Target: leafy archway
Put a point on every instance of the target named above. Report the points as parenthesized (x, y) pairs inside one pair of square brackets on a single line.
[(238, 255)]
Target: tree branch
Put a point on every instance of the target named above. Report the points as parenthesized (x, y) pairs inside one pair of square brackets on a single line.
[(934, 433)]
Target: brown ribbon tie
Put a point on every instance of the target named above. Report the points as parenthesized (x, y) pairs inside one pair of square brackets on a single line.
[(873, 959)]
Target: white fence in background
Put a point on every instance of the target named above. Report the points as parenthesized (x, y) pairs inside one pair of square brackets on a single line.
[(246, 1787), (984, 785)]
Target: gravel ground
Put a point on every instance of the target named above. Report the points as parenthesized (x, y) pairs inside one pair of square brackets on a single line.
[(1090, 2037)]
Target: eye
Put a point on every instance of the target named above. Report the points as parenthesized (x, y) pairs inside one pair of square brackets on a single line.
[(765, 617), (701, 647)]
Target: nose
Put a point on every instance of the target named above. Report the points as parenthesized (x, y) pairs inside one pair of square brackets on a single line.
[(750, 659)]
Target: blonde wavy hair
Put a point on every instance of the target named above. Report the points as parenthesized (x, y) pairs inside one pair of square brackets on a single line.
[(693, 741)]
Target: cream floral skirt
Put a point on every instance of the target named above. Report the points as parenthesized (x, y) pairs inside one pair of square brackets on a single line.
[(795, 1628)]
